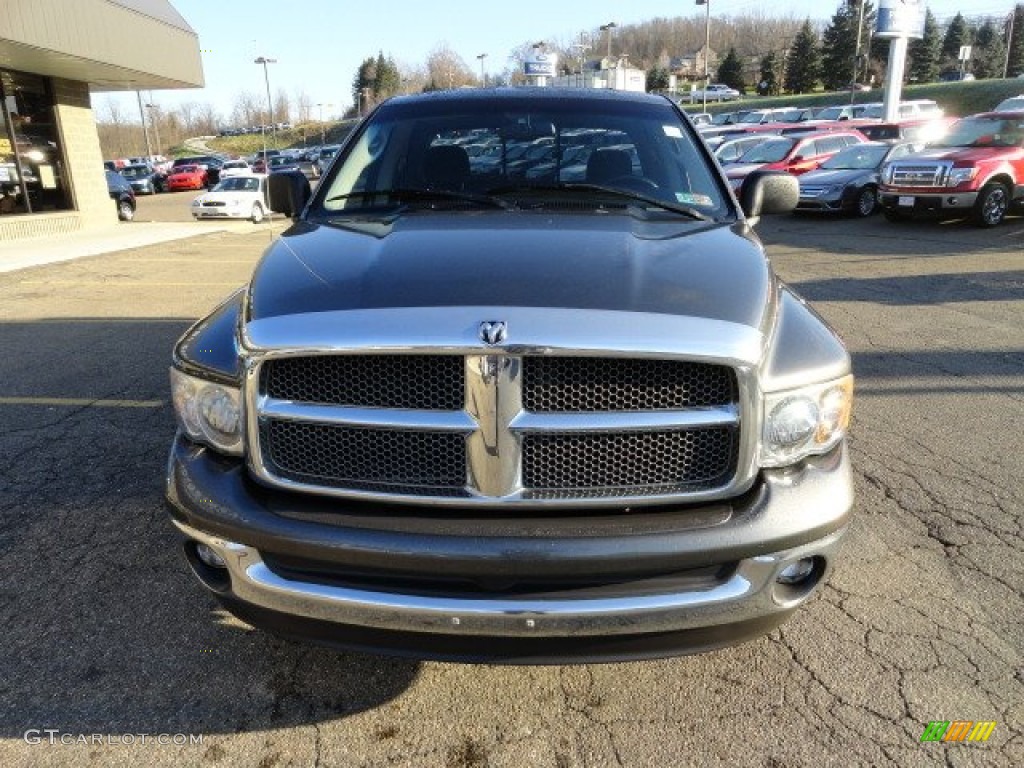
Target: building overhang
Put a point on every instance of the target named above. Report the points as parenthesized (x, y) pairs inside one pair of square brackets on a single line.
[(113, 45)]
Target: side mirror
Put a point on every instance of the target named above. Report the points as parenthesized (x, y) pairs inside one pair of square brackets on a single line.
[(289, 192), (766, 192)]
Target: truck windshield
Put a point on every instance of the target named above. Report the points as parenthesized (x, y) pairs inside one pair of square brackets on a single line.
[(508, 146), (984, 132)]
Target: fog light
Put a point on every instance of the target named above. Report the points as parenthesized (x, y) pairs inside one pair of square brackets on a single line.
[(210, 557), (796, 572)]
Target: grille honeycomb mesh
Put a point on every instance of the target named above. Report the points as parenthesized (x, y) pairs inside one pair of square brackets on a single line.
[(366, 458), (425, 382), (686, 459), (579, 384)]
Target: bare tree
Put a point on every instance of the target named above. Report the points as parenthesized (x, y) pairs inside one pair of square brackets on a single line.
[(303, 106), (447, 69), (247, 110), (282, 107)]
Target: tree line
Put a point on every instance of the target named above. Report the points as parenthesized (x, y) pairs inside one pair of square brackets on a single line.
[(766, 54)]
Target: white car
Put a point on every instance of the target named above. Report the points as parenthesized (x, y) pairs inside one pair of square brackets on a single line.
[(236, 197), (235, 168), (715, 92), (1012, 104)]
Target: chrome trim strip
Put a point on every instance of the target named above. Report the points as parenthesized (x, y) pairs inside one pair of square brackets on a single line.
[(376, 418), (535, 331), (748, 594), (612, 421), (493, 451)]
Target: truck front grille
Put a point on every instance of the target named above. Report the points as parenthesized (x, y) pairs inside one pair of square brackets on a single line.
[(497, 427), (580, 384), (919, 175), (427, 382), (636, 462), (368, 459)]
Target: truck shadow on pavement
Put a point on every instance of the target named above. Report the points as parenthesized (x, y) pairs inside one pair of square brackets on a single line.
[(106, 631)]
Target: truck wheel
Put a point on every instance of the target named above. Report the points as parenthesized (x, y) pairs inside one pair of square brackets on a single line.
[(257, 213), (991, 205), (125, 212), (867, 201)]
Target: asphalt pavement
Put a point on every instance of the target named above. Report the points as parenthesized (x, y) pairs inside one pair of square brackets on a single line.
[(108, 636)]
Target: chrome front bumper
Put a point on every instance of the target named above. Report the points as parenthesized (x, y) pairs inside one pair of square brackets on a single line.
[(751, 592)]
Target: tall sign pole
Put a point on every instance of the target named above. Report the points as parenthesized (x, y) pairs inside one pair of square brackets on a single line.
[(898, 20)]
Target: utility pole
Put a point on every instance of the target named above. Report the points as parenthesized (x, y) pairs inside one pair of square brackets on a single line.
[(145, 130), (156, 124), (322, 139), (707, 49), (856, 50), (483, 76)]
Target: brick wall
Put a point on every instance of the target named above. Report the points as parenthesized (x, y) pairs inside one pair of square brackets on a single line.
[(82, 154)]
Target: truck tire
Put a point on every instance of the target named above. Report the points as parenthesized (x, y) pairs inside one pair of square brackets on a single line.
[(991, 206), (257, 213)]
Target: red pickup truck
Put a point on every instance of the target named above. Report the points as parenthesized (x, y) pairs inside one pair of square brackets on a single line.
[(977, 170)]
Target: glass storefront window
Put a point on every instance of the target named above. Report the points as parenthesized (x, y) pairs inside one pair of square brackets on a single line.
[(32, 168)]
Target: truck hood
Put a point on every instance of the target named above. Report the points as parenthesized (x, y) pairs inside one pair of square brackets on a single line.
[(966, 155), (521, 259)]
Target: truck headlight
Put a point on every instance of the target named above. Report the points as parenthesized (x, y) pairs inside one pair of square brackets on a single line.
[(806, 421), (208, 412), (961, 175)]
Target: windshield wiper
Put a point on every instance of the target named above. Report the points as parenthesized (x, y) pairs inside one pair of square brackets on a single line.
[(409, 194), (684, 210)]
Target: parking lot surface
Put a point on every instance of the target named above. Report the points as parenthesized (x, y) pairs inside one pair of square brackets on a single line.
[(108, 635)]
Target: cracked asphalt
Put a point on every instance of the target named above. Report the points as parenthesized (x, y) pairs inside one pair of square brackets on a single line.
[(106, 633)]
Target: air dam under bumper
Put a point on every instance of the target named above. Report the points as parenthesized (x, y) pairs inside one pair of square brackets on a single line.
[(792, 514)]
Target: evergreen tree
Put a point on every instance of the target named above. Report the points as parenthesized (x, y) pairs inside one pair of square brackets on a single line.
[(730, 71), (958, 34), (768, 81), (657, 79), (838, 43), (989, 52), (387, 80), (362, 83), (803, 65), (1016, 44), (924, 53)]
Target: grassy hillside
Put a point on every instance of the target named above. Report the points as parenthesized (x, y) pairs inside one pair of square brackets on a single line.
[(299, 136)]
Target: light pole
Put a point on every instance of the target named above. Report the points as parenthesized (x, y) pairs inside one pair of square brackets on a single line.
[(483, 76), (145, 130), (607, 29), (707, 48), (156, 124), (270, 104), (856, 50), (321, 105), (583, 45)]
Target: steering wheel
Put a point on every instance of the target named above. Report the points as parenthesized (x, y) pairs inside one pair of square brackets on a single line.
[(640, 184)]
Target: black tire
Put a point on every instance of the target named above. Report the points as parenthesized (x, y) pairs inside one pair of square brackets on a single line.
[(991, 206), (125, 212), (866, 202), (891, 214)]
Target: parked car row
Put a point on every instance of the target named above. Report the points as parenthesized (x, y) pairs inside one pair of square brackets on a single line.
[(970, 167)]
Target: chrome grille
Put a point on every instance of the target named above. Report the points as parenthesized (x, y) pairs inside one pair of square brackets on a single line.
[(427, 382), (367, 459), (497, 428), (930, 175), (580, 384), (638, 462)]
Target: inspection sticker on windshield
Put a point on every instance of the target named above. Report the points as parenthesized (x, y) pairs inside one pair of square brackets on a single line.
[(673, 131), (691, 199)]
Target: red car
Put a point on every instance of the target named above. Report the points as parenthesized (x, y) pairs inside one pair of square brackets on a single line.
[(796, 153), (187, 177)]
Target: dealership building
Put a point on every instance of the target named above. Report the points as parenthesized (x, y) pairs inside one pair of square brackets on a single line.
[(53, 55)]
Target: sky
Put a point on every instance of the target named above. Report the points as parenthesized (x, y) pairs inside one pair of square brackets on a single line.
[(319, 44)]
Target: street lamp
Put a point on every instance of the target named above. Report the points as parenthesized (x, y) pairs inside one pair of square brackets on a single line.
[(270, 104), (145, 130), (856, 50), (707, 48), (321, 105), (483, 77), (156, 123), (607, 28)]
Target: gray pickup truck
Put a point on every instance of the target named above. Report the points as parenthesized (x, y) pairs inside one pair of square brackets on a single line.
[(467, 411)]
